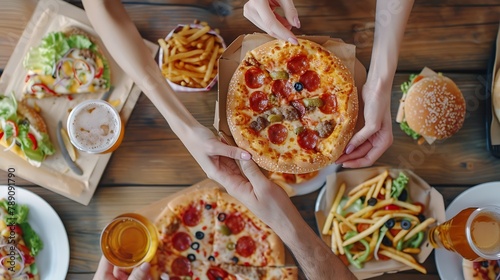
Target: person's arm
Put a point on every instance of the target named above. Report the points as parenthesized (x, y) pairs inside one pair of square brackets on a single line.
[(375, 137), (271, 204), (123, 41)]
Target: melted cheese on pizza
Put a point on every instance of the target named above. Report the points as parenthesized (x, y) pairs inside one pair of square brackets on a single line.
[(292, 105)]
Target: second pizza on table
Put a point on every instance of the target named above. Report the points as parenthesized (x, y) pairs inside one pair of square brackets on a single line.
[(293, 107), (207, 234)]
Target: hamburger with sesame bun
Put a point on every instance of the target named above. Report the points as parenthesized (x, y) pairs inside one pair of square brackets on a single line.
[(432, 107)]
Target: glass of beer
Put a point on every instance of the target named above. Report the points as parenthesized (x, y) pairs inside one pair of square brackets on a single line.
[(94, 126), (474, 233), (129, 240)]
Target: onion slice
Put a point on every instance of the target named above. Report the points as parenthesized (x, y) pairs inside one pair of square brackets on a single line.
[(21, 261)]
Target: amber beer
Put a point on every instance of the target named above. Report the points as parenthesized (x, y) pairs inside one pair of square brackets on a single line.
[(94, 126), (129, 240), (474, 233)]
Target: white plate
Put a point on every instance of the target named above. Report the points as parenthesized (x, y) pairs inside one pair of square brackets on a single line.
[(53, 260), (316, 182), (449, 264)]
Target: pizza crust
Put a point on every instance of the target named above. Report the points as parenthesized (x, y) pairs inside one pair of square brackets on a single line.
[(339, 80), (184, 199)]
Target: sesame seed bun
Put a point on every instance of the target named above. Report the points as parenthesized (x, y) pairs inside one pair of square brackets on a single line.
[(435, 107)]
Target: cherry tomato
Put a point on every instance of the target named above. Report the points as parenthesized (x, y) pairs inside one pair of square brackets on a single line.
[(362, 227), (28, 258), (99, 72), (33, 140), (383, 257), (1, 134), (394, 232), (417, 78), (344, 259), (392, 207), (422, 207), (17, 229)]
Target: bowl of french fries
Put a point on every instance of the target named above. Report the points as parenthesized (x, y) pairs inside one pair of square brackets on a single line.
[(188, 56), (376, 219)]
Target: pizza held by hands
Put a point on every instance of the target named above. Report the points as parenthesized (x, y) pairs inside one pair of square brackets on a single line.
[(207, 234), (293, 107)]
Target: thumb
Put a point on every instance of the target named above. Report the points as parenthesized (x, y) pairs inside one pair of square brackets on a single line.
[(253, 173), (224, 149), (290, 12), (358, 139), (141, 272)]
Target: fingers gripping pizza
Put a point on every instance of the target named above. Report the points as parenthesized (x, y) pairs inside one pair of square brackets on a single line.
[(293, 107), (207, 234)]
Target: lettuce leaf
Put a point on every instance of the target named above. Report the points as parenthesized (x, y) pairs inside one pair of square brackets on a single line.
[(33, 241), (79, 42), (410, 132), (44, 57), (8, 108), (399, 184), (54, 46)]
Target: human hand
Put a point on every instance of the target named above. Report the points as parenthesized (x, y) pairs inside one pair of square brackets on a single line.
[(262, 14), (368, 144), (261, 196), (106, 271), (215, 157)]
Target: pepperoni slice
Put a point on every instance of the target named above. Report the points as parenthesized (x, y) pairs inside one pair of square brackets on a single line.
[(258, 101), (310, 80), (298, 64), (181, 266), (245, 246), (289, 178), (299, 106), (277, 133), (329, 103), (181, 241), (216, 273), (191, 217), (235, 223), (254, 77), (308, 139), (281, 88)]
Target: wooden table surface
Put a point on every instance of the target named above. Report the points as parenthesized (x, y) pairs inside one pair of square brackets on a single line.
[(453, 37)]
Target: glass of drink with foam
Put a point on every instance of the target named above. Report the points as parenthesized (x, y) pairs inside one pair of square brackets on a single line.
[(95, 126)]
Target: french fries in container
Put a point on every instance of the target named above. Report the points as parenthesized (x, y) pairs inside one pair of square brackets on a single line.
[(188, 56), (376, 219)]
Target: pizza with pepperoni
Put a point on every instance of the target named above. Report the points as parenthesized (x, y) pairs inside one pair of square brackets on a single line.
[(293, 107), (207, 234)]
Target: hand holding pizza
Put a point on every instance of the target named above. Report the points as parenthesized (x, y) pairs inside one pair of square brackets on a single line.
[(262, 14), (106, 270), (375, 137), (368, 144)]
